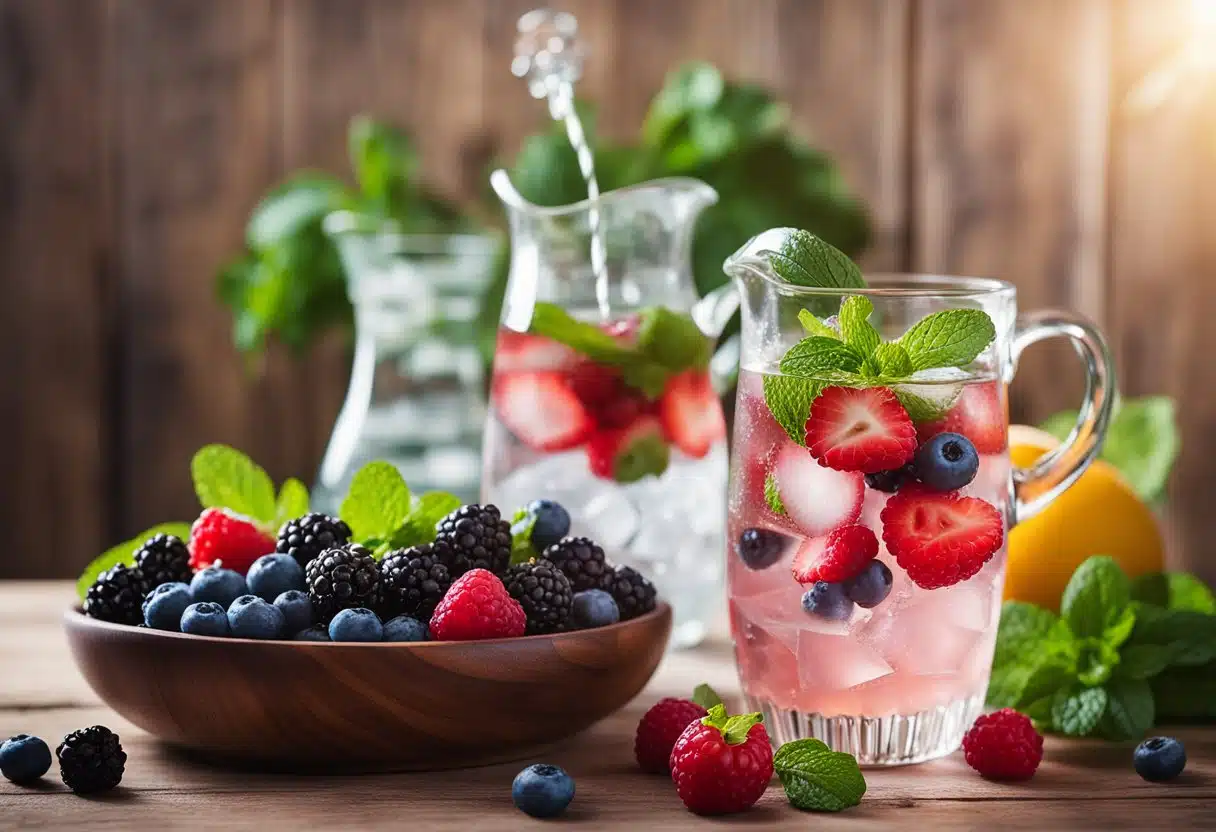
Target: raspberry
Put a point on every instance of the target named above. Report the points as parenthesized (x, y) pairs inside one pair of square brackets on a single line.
[(477, 607), (842, 555), (722, 766), (659, 729), (1003, 746), (221, 536)]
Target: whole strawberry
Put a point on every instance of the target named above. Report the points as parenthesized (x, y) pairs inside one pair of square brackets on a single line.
[(477, 606), (659, 729), (1003, 745), (221, 536), (722, 764)]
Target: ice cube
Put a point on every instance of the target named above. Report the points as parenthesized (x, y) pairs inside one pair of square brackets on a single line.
[(827, 662), (923, 638)]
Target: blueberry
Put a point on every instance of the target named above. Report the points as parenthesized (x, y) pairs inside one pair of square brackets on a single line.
[(871, 586), (827, 601), (164, 606), (251, 617), (296, 608), (272, 575), (223, 586), (946, 462), (357, 624), (23, 759), (404, 628), (1159, 759), (552, 523), (761, 548), (594, 608), (206, 618), (888, 481), (317, 632), (542, 791)]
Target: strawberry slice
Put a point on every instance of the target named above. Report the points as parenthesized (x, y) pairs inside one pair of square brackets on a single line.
[(611, 402), (841, 555), (541, 410), (940, 539), (628, 454), (691, 413), (517, 352), (979, 414), (860, 429), (816, 499)]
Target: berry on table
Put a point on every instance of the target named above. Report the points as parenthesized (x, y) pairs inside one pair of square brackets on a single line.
[(24, 759), (947, 462), (582, 561), (405, 628), (860, 429), (473, 537), (164, 606), (317, 632), (542, 790), (634, 594), (1003, 745), (889, 482), (722, 764), (477, 606), (1158, 759), (218, 585), (940, 539), (412, 582), (163, 559), (272, 575), (205, 618), (306, 537), (117, 596), (356, 625), (551, 522), (544, 592), (761, 548), (844, 553), (871, 586), (659, 729), (827, 601), (297, 610), (342, 578), (251, 617), (91, 760), (220, 536), (593, 608)]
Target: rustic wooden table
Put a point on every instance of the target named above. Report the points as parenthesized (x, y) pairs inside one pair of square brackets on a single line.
[(1081, 785)]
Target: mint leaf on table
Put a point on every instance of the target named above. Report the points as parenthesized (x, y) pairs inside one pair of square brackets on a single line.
[(672, 340), (1095, 597), (789, 399), (292, 502), (818, 779), (814, 326), (706, 696), (1129, 710), (807, 260), (377, 503), (124, 553), (953, 338), (1174, 591), (1076, 711), (226, 478), (814, 356), (425, 513), (772, 497), (855, 326)]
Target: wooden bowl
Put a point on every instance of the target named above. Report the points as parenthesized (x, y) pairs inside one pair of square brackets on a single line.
[(308, 705)]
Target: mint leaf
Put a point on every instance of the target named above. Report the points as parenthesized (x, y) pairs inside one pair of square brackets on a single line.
[(1175, 591), (1076, 712), (789, 399), (672, 340), (1095, 597), (706, 697), (377, 503), (953, 338), (1142, 661), (425, 513), (1044, 679), (522, 549), (557, 324), (812, 356), (893, 360), (226, 478), (125, 553), (818, 779), (1096, 661), (1189, 637), (806, 260), (855, 325), (1119, 631), (292, 502), (1023, 629), (1129, 710), (772, 496), (734, 728), (814, 326)]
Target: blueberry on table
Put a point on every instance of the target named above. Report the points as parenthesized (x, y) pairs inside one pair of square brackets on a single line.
[(871, 587), (552, 523), (206, 618), (222, 586), (593, 608), (542, 790), (947, 462), (164, 606), (272, 575), (760, 548), (405, 628), (357, 624), (827, 601), (1158, 759), (251, 617), (296, 607), (23, 759)]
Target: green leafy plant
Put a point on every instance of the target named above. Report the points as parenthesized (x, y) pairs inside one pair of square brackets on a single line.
[(818, 779), (383, 515), (1121, 656)]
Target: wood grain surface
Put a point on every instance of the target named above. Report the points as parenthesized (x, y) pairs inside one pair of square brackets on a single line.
[(1081, 785)]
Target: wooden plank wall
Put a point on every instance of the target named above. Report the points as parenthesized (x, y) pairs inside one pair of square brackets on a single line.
[(988, 137)]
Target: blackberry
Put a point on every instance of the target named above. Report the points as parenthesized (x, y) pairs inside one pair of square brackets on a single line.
[(633, 593), (306, 537), (544, 592), (117, 595), (91, 760), (474, 537), (342, 578), (582, 561), (412, 582), (163, 559)]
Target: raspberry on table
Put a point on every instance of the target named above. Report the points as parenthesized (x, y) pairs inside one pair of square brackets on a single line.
[(722, 764), (659, 729), (1003, 745), (477, 606)]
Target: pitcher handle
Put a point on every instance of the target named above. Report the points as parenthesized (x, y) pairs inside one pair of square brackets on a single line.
[(1035, 487)]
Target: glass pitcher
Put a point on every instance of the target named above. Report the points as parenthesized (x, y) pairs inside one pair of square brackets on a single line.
[(601, 397), (887, 659)]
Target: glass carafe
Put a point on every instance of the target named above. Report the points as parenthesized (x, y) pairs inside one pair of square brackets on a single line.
[(585, 409)]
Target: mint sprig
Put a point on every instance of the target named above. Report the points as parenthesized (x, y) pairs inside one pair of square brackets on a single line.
[(226, 478), (383, 515), (818, 779)]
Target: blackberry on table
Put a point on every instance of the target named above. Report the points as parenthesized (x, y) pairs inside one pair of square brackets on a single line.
[(306, 537), (474, 537), (342, 578), (633, 593), (544, 592), (412, 582), (163, 559), (117, 595), (91, 760), (582, 561)]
